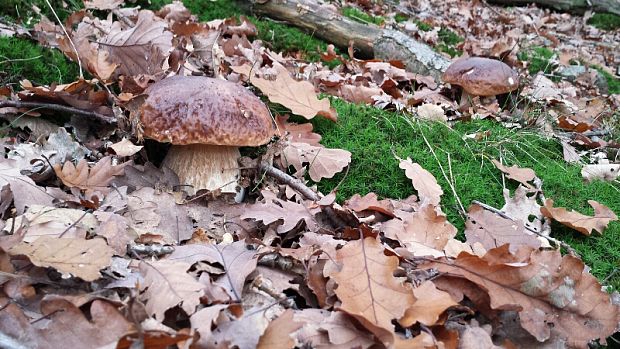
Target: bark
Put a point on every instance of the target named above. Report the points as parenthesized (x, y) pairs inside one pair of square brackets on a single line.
[(580, 6), (368, 40)]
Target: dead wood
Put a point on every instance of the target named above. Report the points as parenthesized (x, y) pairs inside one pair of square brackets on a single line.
[(578, 6)]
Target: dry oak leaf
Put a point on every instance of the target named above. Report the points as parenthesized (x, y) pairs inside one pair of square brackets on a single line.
[(237, 260), (492, 230), (67, 326), (322, 162), (23, 190), (604, 172), (297, 133), (331, 330), (429, 304), (242, 333), (79, 257), (423, 181), (580, 222), (366, 285), (553, 294), (274, 210), (371, 202), (92, 179), (202, 321), (166, 285), (521, 175), (103, 4), (279, 331), (125, 148), (298, 96)]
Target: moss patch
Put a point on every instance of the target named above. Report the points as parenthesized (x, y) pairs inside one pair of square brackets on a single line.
[(612, 82), (373, 136), (361, 16), (605, 21), (539, 59), (24, 59)]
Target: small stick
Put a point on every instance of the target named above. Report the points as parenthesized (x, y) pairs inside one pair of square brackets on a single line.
[(57, 107)]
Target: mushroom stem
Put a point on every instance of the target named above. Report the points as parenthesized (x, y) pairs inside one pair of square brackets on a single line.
[(464, 103), (204, 166)]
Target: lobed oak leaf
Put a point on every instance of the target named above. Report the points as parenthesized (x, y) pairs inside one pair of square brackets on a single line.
[(166, 285), (524, 208), (297, 133), (79, 257), (370, 201), (429, 304), (298, 96), (322, 162), (492, 230), (279, 331), (202, 321), (580, 222), (366, 285), (242, 333), (125, 148), (521, 175), (331, 329), (423, 181), (92, 179), (553, 294), (273, 210), (23, 191), (114, 228)]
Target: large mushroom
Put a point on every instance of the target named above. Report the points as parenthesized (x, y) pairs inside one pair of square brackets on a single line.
[(479, 76), (206, 120)]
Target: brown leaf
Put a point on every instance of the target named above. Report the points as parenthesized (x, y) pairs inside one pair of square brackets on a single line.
[(605, 172), (243, 333), (297, 133), (125, 148), (423, 181), (278, 333), (54, 222), (553, 294), (274, 209), (23, 189), (114, 228), (202, 321), (237, 260), (103, 4), (92, 179), (492, 230), (370, 201), (366, 285), (524, 208), (429, 304), (521, 175), (79, 257), (298, 96), (582, 223), (322, 162), (166, 285)]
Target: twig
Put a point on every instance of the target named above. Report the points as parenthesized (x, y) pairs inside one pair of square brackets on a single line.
[(77, 55), (504, 215), (57, 107)]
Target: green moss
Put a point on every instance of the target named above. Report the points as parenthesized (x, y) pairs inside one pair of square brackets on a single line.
[(400, 17), (361, 16), (605, 21), (25, 59), (539, 59), (612, 82), (448, 41), (23, 12), (373, 136), (423, 26)]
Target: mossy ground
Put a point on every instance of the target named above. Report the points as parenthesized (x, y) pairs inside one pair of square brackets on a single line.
[(361, 16), (605, 21), (373, 136), (539, 59)]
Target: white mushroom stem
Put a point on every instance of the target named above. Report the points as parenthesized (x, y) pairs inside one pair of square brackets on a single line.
[(204, 166)]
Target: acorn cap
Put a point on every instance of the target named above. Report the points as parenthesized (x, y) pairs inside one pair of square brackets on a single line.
[(482, 76), (199, 110)]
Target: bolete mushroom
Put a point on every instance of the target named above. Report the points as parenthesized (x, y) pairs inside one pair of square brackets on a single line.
[(206, 120), (479, 76)]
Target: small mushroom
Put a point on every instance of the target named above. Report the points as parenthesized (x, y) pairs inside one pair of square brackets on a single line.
[(206, 120), (479, 76)]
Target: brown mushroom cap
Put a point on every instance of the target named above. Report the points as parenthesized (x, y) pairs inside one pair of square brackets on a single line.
[(482, 76), (198, 110)]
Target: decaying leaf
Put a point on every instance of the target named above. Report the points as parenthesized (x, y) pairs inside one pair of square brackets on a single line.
[(322, 162), (23, 189), (552, 293), (582, 223), (429, 304), (423, 181), (274, 209), (125, 148), (606, 172), (298, 96), (278, 333), (297, 133), (366, 285), (166, 285), (370, 201), (79, 257), (242, 333), (521, 175), (95, 179)]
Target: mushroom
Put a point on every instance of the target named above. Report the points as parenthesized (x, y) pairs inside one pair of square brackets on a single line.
[(479, 76), (206, 120)]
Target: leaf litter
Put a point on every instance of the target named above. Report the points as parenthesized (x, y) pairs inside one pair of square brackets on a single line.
[(114, 246)]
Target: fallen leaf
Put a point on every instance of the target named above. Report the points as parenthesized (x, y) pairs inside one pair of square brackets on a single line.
[(203, 320), (166, 285), (23, 189), (243, 333), (370, 201), (114, 228), (582, 223), (79, 257), (322, 162), (423, 181), (273, 210), (298, 96), (103, 4), (92, 179), (125, 148), (604, 172), (297, 133), (279, 331), (521, 175), (429, 304), (523, 207)]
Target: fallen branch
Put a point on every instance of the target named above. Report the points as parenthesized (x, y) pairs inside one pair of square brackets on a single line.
[(579, 6), (58, 107)]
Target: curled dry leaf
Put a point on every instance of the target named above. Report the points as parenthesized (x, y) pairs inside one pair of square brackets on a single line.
[(605, 172), (367, 287), (580, 222), (553, 294), (278, 333), (322, 162), (423, 181), (92, 179), (125, 148), (79, 257), (23, 190), (429, 304), (297, 133), (274, 209), (298, 96), (521, 175), (166, 285), (370, 201)]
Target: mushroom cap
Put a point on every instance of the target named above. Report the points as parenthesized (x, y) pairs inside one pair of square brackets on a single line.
[(199, 110), (482, 76)]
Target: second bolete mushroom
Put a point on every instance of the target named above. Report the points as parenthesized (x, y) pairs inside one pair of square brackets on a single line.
[(206, 120), (479, 76)]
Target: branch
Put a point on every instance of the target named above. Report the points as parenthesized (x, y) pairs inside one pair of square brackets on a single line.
[(57, 107)]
